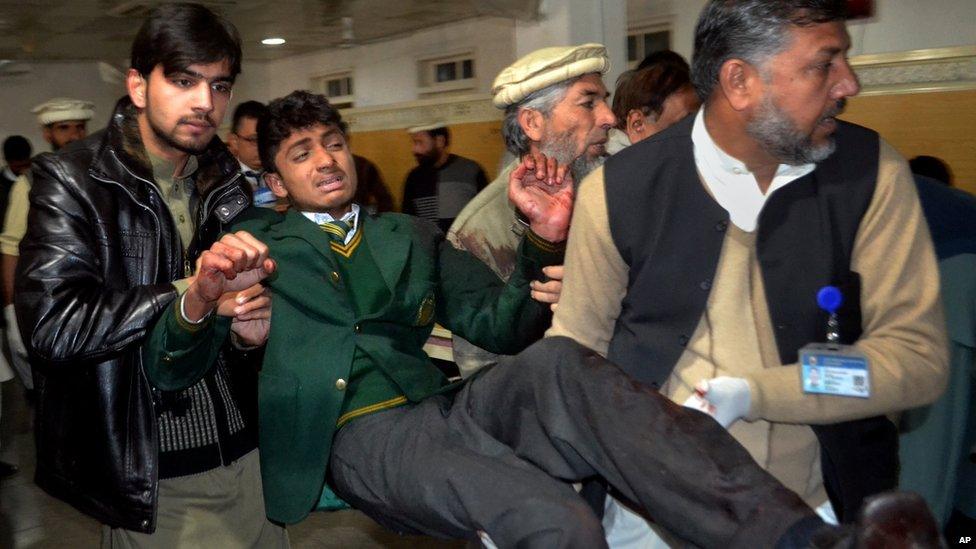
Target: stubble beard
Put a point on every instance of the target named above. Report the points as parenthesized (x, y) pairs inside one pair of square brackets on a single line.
[(779, 136), (562, 147), (170, 140)]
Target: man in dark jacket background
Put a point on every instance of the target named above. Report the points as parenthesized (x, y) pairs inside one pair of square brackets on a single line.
[(116, 223)]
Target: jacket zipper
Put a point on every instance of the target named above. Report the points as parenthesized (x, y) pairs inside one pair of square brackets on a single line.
[(223, 189), (214, 391)]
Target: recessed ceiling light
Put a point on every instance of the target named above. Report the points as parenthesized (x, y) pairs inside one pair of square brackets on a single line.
[(273, 41)]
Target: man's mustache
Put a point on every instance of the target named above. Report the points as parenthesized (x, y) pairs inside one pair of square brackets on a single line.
[(837, 109), (197, 120)]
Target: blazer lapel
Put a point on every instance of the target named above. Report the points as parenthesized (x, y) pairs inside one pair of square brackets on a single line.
[(389, 244), (296, 225)]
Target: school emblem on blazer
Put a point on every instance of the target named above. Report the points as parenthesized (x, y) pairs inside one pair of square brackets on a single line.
[(425, 315)]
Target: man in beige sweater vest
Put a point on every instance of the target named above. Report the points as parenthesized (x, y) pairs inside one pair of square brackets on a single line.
[(773, 77)]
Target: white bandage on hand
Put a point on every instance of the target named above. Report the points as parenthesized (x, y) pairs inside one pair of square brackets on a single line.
[(727, 399)]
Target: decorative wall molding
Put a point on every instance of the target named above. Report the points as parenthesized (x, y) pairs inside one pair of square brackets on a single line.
[(929, 70), (449, 110)]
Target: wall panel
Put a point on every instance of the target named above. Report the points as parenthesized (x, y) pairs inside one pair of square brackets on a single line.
[(941, 124)]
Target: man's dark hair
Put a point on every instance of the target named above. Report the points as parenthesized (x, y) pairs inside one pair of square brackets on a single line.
[(751, 30), (180, 35), (16, 147), (664, 58), (442, 131), (296, 111), (648, 87), (933, 167), (247, 109)]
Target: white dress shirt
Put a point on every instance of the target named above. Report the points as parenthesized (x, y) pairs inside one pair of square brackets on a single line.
[(731, 183)]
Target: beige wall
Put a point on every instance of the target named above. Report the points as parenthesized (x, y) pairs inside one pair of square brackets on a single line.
[(941, 124)]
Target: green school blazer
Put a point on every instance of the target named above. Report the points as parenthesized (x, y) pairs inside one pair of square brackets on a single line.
[(314, 333)]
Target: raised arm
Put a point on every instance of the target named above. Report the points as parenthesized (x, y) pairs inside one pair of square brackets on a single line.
[(502, 317)]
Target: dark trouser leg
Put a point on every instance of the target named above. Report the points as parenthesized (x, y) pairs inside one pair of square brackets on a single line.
[(573, 414), (425, 469)]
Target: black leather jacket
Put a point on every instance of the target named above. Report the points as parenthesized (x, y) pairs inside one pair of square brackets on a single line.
[(94, 274)]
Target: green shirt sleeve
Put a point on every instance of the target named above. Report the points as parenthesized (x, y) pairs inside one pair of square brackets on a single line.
[(500, 317), (178, 353)]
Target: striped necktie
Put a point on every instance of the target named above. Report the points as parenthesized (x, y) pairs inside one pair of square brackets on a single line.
[(336, 230)]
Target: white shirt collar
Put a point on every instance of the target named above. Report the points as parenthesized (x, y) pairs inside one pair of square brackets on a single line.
[(245, 170), (8, 173), (731, 183), (352, 218)]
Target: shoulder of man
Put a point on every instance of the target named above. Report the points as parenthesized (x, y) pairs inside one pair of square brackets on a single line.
[(488, 205), (466, 163), (256, 220), (71, 163)]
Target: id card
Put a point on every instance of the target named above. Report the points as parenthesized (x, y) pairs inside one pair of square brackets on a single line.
[(831, 369)]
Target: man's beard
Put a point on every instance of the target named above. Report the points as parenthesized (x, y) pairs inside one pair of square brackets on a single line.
[(170, 140), (426, 159), (779, 136), (562, 148)]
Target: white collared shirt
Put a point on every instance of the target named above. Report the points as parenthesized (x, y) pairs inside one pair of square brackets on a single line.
[(8, 173), (731, 183), (351, 218), (257, 181)]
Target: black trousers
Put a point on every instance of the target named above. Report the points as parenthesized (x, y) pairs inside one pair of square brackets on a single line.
[(496, 457)]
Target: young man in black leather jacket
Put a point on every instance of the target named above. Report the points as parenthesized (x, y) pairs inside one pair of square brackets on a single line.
[(116, 223)]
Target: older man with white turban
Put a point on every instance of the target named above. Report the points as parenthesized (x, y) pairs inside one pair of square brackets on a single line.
[(63, 121), (555, 104)]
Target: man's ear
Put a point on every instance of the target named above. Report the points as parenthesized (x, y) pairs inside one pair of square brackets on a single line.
[(275, 183), (135, 86), (636, 120), (533, 123), (741, 84), (635, 125), (48, 134)]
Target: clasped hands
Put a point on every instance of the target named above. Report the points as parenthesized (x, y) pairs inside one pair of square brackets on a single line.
[(228, 280)]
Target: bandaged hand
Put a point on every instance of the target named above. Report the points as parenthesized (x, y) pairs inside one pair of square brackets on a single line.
[(726, 399)]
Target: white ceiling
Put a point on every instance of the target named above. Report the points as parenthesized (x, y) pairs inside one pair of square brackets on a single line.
[(43, 30)]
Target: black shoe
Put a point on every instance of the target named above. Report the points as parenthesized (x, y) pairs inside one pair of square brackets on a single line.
[(7, 469)]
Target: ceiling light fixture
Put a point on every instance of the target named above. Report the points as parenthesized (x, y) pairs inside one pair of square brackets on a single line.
[(273, 41)]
